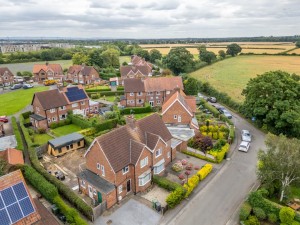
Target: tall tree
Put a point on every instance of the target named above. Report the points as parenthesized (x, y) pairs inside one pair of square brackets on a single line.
[(273, 99), (143, 53), (111, 58), (179, 60), (95, 58), (298, 44), (280, 162), (233, 49), (222, 54), (207, 56), (191, 86), (154, 55), (80, 58)]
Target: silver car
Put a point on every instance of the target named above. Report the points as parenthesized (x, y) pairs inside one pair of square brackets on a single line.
[(246, 136), (244, 146)]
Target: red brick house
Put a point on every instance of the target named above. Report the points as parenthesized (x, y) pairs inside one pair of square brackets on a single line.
[(179, 109), (47, 72), (137, 61), (124, 160), (16, 204), (83, 74), (6, 76), (12, 156), (151, 90), (53, 105)]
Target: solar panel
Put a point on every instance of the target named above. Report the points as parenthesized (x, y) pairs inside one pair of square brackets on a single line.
[(76, 95), (15, 204)]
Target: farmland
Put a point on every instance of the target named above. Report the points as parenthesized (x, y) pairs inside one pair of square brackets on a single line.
[(231, 75), (16, 67), (10, 102)]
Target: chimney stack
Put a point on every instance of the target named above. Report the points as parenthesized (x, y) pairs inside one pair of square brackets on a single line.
[(130, 121)]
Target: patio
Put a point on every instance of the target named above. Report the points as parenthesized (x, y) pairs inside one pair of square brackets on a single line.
[(156, 194)]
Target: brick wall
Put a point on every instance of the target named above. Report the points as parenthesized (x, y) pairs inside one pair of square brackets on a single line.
[(178, 110)]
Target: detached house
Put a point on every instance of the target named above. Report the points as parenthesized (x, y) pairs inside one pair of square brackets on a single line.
[(53, 105), (82, 74), (124, 160), (151, 90), (6, 76), (47, 72)]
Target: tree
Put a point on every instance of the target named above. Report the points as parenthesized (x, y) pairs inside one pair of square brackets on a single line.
[(66, 56), (47, 55), (207, 56), (154, 55), (111, 58), (80, 58), (298, 44), (222, 54), (233, 49), (95, 58), (204, 143), (191, 86), (166, 72), (179, 60), (280, 162), (273, 99), (143, 53), (27, 74)]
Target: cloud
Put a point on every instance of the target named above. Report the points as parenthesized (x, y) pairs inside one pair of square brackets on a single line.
[(148, 19)]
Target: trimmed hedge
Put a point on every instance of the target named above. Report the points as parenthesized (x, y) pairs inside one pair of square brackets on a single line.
[(175, 197), (107, 125), (199, 156), (165, 183), (105, 93), (245, 211), (219, 155), (208, 106), (26, 114), (60, 123), (96, 90), (191, 184), (17, 133), (204, 171), (80, 121), (137, 110), (232, 133)]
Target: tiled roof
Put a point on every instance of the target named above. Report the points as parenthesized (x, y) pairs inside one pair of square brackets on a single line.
[(163, 83), (56, 68), (85, 70), (12, 156), (135, 69), (124, 145), (50, 99), (133, 85), (3, 70)]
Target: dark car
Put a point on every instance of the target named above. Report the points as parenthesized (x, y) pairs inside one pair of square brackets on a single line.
[(212, 99), (3, 119)]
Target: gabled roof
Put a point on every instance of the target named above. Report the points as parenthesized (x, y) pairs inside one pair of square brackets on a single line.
[(135, 69), (137, 60), (85, 70), (56, 68), (75, 93), (124, 145), (163, 83), (4, 70), (133, 85), (12, 156), (50, 99)]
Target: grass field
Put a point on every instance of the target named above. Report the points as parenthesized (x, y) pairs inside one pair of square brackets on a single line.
[(14, 101), (16, 67), (231, 75), (64, 130), (41, 138)]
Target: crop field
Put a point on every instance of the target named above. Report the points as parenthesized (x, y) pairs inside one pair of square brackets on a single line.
[(231, 75), (247, 47), (297, 51), (16, 67)]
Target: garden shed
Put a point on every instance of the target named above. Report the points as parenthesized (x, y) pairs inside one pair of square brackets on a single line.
[(64, 144)]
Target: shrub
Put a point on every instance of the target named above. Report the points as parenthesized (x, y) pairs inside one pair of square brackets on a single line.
[(80, 121), (17, 133), (221, 135), (220, 154), (184, 161), (177, 167), (107, 125), (272, 217), (259, 213), (165, 183), (175, 197), (295, 223), (181, 176), (231, 133), (189, 166), (245, 211), (286, 215), (199, 156), (252, 221), (204, 171), (215, 135), (203, 129), (26, 114), (95, 96), (41, 130), (138, 110)]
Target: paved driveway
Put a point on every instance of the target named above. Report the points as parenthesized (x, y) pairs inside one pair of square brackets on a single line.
[(131, 213), (219, 201)]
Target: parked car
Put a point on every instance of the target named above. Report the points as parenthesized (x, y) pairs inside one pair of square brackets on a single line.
[(27, 86), (16, 86), (212, 99), (246, 136), (227, 114), (3, 119), (244, 146)]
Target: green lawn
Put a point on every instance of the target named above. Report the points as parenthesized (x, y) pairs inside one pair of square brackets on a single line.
[(109, 98), (231, 75), (41, 138), (64, 130), (98, 88), (142, 115), (124, 59), (16, 67), (14, 101)]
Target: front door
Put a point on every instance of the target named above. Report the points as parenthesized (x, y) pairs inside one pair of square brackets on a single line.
[(128, 185), (99, 197), (90, 191), (151, 103), (179, 119)]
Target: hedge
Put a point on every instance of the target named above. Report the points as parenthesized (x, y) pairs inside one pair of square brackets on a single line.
[(175, 197), (64, 190), (245, 211), (225, 119), (204, 171), (165, 183), (60, 123), (137, 110), (232, 133), (80, 121), (106, 93), (26, 114), (199, 156), (17, 133), (219, 155), (108, 124), (96, 90), (191, 184)]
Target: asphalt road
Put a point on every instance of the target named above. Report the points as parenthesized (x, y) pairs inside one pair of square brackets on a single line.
[(219, 201)]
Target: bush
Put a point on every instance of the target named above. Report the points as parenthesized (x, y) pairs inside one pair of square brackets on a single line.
[(231, 133), (138, 110), (272, 217), (252, 221), (107, 125), (17, 133), (95, 96), (175, 197), (41, 130), (286, 215), (219, 155), (259, 213), (199, 156), (177, 167), (245, 211), (165, 183), (26, 114), (80, 121), (191, 184), (204, 171)]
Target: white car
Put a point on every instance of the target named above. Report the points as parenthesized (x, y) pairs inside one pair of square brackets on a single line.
[(244, 146), (246, 136), (227, 114)]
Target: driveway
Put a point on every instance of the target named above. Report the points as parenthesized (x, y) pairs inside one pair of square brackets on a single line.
[(132, 212), (219, 201)]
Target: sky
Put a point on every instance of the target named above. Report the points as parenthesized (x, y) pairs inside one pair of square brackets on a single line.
[(149, 18)]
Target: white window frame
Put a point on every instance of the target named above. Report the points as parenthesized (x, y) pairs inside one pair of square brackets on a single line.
[(158, 152), (140, 94), (167, 92), (144, 162), (53, 119), (142, 181), (98, 166), (169, 155), (82, 183), (94, 191), (120, 189), (74, 105), (157, 101), (175, 117), (125, 170), (161, 168), (103, 170), (131, 94), (62, 108), (52, 110), (158, 93), (82, 103)]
